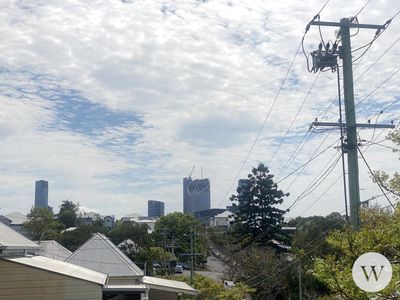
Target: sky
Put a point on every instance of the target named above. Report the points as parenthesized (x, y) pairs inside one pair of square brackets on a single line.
[(114, 101)]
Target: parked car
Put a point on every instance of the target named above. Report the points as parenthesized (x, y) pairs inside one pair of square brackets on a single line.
[(179, 269), (156, 265)]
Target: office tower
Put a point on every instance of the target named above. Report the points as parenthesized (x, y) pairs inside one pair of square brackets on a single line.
[(155, 209), (196, 195), (243, 185), (42, 194)]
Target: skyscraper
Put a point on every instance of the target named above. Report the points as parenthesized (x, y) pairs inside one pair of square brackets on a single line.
[(155, 209), (42, 194), (196, 195)]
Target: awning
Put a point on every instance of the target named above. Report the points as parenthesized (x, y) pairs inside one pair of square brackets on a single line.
[(169, 285), (126, 288)]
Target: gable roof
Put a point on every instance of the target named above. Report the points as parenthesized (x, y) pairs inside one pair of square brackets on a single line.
[(225, 214), (100, 254), (12, 240), (60, 267), (54, 250), (16, 218)]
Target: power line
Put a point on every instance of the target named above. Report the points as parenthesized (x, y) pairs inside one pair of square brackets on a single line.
[(378, 183), (262, 126), (317, 182), (378, 87), (294, 154), (271, 108), (323, 194), (294, 119)]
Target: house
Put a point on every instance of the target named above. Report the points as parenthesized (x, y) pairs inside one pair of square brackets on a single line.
[(124, 277), (150, 224), (54, 250), (222, 220), (133, 217), (109, 221), (24, 276), (88, 218), (17, 219)]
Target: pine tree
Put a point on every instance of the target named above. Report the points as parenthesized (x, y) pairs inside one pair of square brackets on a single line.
[(258, 219)]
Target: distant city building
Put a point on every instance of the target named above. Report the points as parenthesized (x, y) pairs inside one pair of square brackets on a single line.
[(155, 209), (196, 195), (242, 184), (42, 194)]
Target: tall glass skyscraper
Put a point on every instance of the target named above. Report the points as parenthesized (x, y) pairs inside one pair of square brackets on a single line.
[(196, 195), (42, 194), (155, 209)]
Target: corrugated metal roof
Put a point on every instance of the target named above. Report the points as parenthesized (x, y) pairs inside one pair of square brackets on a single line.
[(10, 239), (169, 285), (16, 218), (60, 267), (100, 254), (126, 288), (52, 249)]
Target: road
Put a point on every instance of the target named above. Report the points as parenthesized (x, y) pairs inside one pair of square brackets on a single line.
[(214, 269)]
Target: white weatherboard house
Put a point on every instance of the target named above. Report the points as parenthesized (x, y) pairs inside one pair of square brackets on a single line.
[(125, 279), (34, 277), (222, 220)]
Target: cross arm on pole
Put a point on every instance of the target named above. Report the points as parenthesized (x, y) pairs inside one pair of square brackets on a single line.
[(358, 125), (349, 24)]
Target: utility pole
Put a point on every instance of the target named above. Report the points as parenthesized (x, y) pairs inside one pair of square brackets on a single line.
[(300, 287), (351, 147), (191, 256), (328, 59)]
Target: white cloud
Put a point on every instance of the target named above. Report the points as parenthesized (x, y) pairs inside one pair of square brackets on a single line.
[(201, 75)]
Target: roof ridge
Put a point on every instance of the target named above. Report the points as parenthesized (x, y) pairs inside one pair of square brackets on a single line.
[(122, 255), (110, 246)]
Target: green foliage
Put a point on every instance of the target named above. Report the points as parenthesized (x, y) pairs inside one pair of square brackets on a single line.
[(379, 233), (175, 228), (258, 219), (310, 228), (262, 269), (72, 240), (41, 224), (138, 233), (391, 184), (210, 289), (68, 213)]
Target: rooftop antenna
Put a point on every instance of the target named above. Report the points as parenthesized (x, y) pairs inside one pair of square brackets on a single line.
[(191, 173)]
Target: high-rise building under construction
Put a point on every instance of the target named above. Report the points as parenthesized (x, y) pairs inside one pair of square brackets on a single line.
[(196, 195)]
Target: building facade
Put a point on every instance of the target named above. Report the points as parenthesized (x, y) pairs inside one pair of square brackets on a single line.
[(196, 195), (42, 194), (155, 209)]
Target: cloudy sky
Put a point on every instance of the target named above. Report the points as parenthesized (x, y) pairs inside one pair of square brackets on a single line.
[(113, 101)]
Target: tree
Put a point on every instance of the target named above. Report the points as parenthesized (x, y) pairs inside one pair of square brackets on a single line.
[(41, 224), (175, 229), (138, 233), (261, 268), (379, 233), (210, 289), (258, 219), (68, 213), (72, 240)]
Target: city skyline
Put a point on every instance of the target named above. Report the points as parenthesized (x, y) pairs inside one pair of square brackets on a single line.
[(118, 119)]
